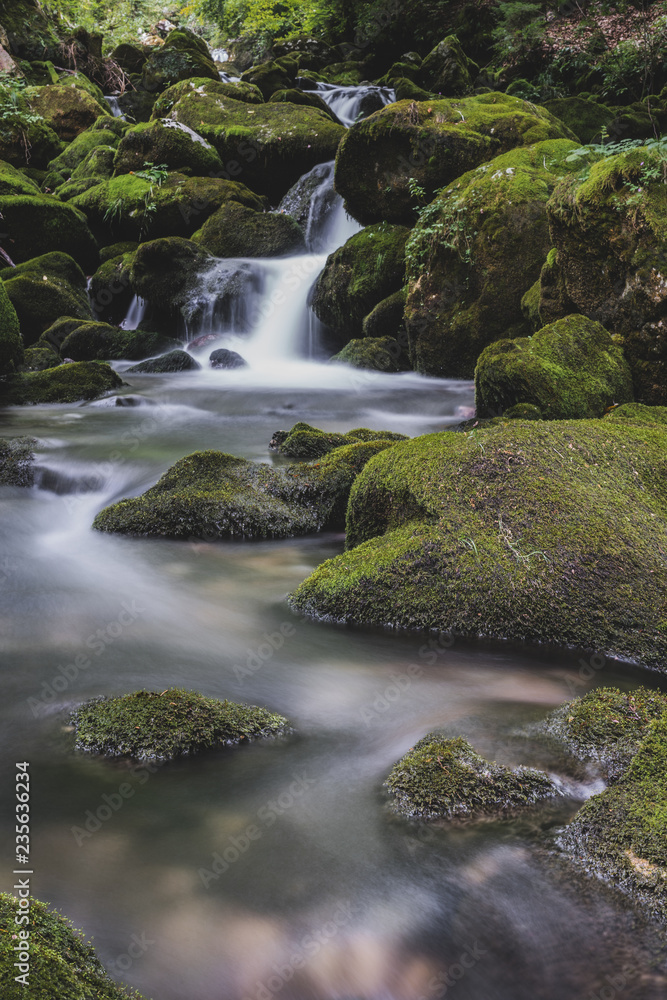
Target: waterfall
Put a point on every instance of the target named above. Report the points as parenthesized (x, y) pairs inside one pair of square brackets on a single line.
[(134, 315), (220, 55), (350, 103), (114, 106), (319, 210)]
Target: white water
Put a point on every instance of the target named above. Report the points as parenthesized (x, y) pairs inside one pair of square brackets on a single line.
[(114, 106), (135, 314), (347, 102)]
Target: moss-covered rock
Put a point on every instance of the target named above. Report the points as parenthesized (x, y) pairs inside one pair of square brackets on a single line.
[(129, 57), (585, 118), (98, 166), (67, 383), (168, 64), (637, 413), (110, 289), (447, 70), (39, 357), (166, 142), (569, 370), (386, 318), (67, 110), (407, 90), (244, 92), (442, 778), (237, 231), (174, 723), (269, 146), (17, 461), (62, 963), (525, 530), (137, 105), (304, 442), (25, 138), (349, 73), (43, 289), (14, 181), (103, 342), (384, 354), (30, 31), (430, 143), (75, 153), (268, 77), (609, 227), (174, 361), (164, 272), (311, 100), (473, 252), (359, 275), (39, 224), (11, 342), (132, 207)]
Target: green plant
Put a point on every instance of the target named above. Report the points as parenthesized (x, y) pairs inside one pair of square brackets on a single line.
[(154, 174), (520, 29), (16, 114)]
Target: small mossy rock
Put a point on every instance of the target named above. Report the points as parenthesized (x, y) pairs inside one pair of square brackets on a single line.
[(174, 361), (103, 342), (472, 253), (359, 275), (167, 65), (407, 90), (11, 341), (585, 118), (17, 461), (224, 358), (14, 181), (431, 143), (311, 100), (447, 70), (554, 302), (386, 318), (39, 357), (569, 524), (610, 239), (43, 289), (174, 723), (164, 271), (87, 85), (237, 231), (118, 208), (442, 778), (129, 57), (268, 145), (110, 291), (638, 413), (41, 224), (569, 369), (183, 39), (305, 443), (98, 166), (268, 78), (166, 142), (25, 138), (62, 963), (382, 354), (606, 725), (68, 383), (76, 152), (244, 92), (117, 250), (523, 411), (349, 73), (619, 835), (67, 110)]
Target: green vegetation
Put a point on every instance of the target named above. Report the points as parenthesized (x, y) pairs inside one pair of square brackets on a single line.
[(304, 442)]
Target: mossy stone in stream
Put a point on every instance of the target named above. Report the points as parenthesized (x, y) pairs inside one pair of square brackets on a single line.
[(237, 231), (382, 354), (63, 166), (175, 723), (110, 290), (268, 77), (304, 442), (164, 272), (11, 342), (14, 181), (174, 361), (62, 964), (167, 65), (17, 461), (43, 289), (311, 100), (68, 383), (103, 342), (445, 779)]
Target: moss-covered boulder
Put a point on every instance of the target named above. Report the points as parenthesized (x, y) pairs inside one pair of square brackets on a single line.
[(569, 370), (133, 207), (174, 723), (129, 57), (238, 91), (237, 231), (39, 224), (168, 64), (447, 70), (67, 383), (585, 118), (30, 31), (14, 181), (384, 354), (17, 461), (268, 146), (65, 165), (103, 342), (442, 778), (637, 413), (551, 532), (173, 361), (268, 77), (164, 272), (305, 443), (311, 100), (61, 962), (386, 318), (430, 143), (359, 275), (137, 105), (609, 228), (25, 137), (215, 496), (473, 253), (11, 341), (110, 289), (43, 289), (166, 142), (67, 110)]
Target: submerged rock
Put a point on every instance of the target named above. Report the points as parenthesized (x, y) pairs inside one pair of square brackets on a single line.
[(68, 383), (174, 361), (223, 358), (17, 461), (175, 723), (445, 779)]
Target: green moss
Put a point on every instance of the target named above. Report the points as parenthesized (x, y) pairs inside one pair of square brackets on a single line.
[(245, 92), (166, 142), (311, 100), (68, 110), (102, 342), (62, 963), (167, 65), (447, 70), (17, 461), (43, 289), (164, 272), (174, 361), (359, 275), (237, 231), (386, 318), (445, 779), (77, 151), (25, 138), (111, 290), (67, 383), (638, 413), (175, 723), (40, 224), (40, 357), (406, 90), (304, 442), (432, 142), (13, 181), (549, 532), (11, 342), (569, 370), (268, 78), (530, 306), (383, 354), (185, 40), (585, 118), (349, 73)]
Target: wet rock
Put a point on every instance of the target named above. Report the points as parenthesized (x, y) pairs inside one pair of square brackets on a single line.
[(382, 354), (17, 461), (166, 142), (174, 361), (11, 341), (237, 231), (222, 358), (68, 383)]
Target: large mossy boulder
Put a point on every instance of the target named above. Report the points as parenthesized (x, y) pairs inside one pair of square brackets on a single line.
[(587, 119), (237, 231), (238, 91), (68, 383), (168, 64), (62, 963), (311, 100), (430, 143), (214, 496), (609, 229), (11, 341), (39, 224), (103, 342), (305, 443), (547, 532), (67, 110), (132, 207), (268, 77), (168, 143), (14, 181), (148, 725), (30, 31), (368, 268), (441, 778), (569, 370), (447, 70), (43, 289), (268, 146), (64, 166), (25, 137), (164, 272), (475, 250)]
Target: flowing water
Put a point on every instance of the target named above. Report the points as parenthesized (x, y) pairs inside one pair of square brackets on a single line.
[(350, 103), (275, 869)]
